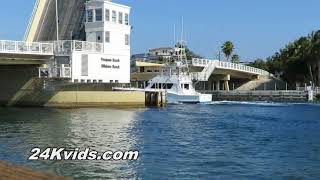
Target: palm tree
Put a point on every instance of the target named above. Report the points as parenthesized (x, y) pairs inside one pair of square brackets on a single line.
[(227, 49), (235, 59)]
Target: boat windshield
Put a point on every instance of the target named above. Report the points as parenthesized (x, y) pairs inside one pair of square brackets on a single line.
[(162, 86)]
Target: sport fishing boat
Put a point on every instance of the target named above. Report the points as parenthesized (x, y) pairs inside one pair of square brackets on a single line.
[(176, 81)]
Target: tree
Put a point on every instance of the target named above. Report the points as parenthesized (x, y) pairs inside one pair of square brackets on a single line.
[(227, 49), (235, 59), (298, 61)]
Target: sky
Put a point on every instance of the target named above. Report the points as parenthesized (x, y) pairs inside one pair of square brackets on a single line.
[(257, 28)]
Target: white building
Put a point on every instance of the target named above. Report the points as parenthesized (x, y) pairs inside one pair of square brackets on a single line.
[(108, 27)]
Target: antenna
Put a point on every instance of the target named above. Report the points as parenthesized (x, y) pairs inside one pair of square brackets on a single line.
[(182, 26), (174, 34)]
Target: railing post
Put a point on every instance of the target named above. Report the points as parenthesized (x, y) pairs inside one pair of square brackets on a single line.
[(15, 46), (2, 45), (74, 46), (40, 48)]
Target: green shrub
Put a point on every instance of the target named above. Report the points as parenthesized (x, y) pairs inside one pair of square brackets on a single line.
[(318, 96)]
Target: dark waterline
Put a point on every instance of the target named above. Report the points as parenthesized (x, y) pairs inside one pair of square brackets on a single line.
[(215, 141)]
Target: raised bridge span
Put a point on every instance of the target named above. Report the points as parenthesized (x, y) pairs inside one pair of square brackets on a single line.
[(42, 23)]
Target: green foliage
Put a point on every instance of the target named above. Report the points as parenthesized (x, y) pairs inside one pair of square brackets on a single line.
[(259, 63), (318, 96), (235, 59), (190, 54), (299, 61), (227, 49)]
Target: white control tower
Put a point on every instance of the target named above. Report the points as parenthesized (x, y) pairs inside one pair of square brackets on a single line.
[(107, 24)]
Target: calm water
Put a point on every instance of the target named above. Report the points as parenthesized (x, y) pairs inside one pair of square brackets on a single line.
[(214, 141)]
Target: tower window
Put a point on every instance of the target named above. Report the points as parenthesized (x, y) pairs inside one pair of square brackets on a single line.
[(90, 15), (107, 36), (114, 16), (127, 39), (120, 18), (126, 19), (98, 14), (107, 15)]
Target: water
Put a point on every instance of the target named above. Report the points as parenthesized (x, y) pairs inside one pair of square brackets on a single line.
[(221, 140)]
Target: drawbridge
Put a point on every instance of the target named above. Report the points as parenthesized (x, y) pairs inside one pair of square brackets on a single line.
[(38, 46), (42, 23)]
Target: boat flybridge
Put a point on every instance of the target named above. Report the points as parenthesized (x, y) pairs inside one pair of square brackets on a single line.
[(175, 80)]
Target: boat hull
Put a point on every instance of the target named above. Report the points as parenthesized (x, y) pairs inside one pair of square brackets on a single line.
[(177, 98)]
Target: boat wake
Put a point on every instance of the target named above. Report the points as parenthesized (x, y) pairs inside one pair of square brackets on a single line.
[(254, 103)]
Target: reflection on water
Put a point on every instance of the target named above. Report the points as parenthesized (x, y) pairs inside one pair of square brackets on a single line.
[(98, 129), (221, 140)]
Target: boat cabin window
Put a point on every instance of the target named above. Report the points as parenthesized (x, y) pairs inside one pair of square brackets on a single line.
[(169, 86), (162, 86)]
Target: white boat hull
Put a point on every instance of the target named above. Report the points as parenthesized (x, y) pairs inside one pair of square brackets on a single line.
[(199, 98)]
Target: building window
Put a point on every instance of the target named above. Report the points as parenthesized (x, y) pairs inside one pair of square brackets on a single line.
[(117, 81), (126, 19), (114, 16), (127, 39), (100, 81), (107, 36), (89, 15), (186, 86), (107, 15), (111, 81), (99, 35), (120, 18), (98, 14)]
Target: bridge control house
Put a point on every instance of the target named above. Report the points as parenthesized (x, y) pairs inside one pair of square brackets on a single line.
[(105, 55)]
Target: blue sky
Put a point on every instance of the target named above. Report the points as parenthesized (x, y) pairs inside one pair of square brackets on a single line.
[(257, 28)]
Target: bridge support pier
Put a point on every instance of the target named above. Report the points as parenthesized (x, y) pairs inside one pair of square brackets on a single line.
[(226, 86)]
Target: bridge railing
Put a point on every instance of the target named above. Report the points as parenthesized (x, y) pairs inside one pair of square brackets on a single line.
[(240, 67), (20, 47), (229, 65), (67, 47)]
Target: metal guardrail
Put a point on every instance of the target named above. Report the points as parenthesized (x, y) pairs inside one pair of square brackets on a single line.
[(20, 47), (228, 65), (67, 47), (49, 47)]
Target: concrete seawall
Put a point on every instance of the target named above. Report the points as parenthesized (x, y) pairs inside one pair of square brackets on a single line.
[(277, 96), (21, 87), (96, 99)]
